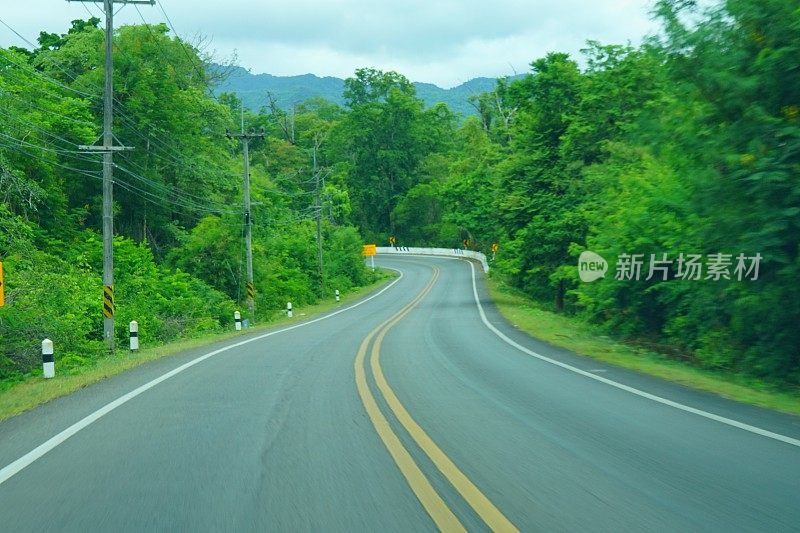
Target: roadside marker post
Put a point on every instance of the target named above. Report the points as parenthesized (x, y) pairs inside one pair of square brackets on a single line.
[(289, 309), (134, 329), (48, 365), (2, 288), (337, 295), (237, 318)]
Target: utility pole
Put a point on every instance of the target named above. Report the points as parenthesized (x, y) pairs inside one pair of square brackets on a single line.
[(318, 211), (248, 238), (108, 149)]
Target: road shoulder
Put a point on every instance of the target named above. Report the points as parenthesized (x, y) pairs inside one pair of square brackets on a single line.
[(516, 317), (36, 391)]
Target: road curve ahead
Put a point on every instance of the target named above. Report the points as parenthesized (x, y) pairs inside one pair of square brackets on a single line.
[(418, 409)]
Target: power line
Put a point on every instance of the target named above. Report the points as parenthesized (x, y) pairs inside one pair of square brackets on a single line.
[(131, 123), (158, 199), (55, 113), (177, 193), (178, 189), (47, 78), (24, 80), (190, 201), (15, 32), (177, 200), (75, 153), (92, 174), (169, 153), (30, 124), (52, 62), (180, 41)]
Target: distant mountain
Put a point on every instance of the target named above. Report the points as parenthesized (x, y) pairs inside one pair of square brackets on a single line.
[(291, 90)]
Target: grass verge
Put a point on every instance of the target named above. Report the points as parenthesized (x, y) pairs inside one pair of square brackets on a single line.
[(584, 339), (35, 391)]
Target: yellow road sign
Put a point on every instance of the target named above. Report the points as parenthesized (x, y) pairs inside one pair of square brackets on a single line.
[(494, 247), (369, 249), (2, 287), (392, 240)]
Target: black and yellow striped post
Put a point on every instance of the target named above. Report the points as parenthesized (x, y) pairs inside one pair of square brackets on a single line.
[(2, 288), (108, 301), (251, 300), (251, 291)]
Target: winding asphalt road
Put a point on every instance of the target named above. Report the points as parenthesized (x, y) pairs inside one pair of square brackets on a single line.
[(419, 408)]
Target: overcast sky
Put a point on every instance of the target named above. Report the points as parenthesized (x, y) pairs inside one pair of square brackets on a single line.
[(443, 42)]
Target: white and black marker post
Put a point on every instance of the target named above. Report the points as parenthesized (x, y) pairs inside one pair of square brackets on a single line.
[(337, 295), (289, 309), (134, 335), (237, 317), (48, 366)]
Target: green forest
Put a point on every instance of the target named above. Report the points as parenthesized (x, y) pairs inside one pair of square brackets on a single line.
[(682, 153)]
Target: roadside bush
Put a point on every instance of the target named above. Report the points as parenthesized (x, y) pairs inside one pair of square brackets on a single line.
[(47, 298), (60, 297)]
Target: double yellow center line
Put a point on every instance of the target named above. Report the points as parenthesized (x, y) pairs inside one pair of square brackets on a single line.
[(433, 503)]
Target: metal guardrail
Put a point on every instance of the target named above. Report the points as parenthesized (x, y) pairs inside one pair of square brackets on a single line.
[(446, 252)]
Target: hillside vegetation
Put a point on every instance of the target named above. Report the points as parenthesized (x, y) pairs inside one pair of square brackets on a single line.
[(289, 91)]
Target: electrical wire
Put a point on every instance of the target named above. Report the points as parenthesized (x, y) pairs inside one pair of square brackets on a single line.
[(16, 148), (47, 78), (176, 189), (27, 123), (134, 127), (196, 201), (61, 151), (33, 47), (59, 97), (175, 200), (187, 200), (178, 198), (180, 41)]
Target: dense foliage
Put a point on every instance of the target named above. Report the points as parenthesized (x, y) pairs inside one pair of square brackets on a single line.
[(179, 252), (686, 145)]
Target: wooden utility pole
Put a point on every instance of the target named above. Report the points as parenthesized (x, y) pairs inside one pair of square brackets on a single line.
[(248, 238), (108, 149), (318, 210)]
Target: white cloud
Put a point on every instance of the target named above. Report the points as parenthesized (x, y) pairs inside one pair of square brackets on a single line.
[(445, 42)]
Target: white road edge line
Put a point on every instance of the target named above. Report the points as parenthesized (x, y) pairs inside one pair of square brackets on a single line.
[(29, 458), (632, 390)]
